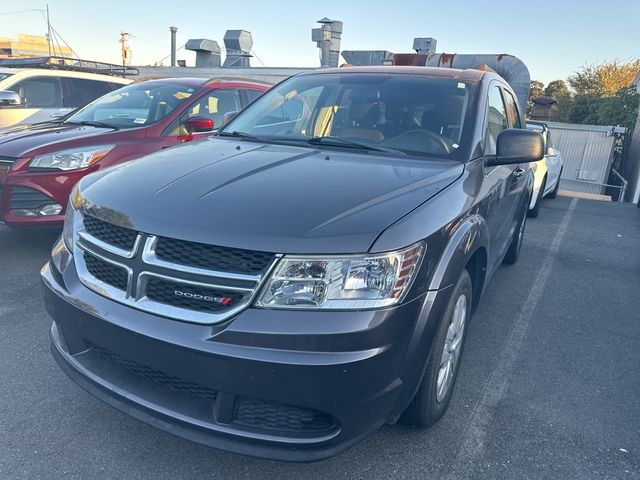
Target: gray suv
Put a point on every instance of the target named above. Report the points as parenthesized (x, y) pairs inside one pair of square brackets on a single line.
[(288, 286)]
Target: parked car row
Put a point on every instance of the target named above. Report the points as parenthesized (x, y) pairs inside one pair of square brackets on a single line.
[(297, 279), (40, 163)]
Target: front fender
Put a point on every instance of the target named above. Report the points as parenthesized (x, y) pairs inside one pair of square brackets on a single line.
[(467, 236)]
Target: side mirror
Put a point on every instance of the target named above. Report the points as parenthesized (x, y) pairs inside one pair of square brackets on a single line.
[(199, 125), (228, 117), (516, 145), (9, 98)]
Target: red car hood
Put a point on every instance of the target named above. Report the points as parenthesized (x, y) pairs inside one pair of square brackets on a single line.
[(19, 141)]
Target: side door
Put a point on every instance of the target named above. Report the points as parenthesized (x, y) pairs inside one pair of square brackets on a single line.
[(42, 99), (499, 178), (213, 105), (519, 173)]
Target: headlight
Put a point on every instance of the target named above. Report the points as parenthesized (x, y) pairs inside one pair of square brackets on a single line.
[(346, 282), (71, 159), (72, 218)]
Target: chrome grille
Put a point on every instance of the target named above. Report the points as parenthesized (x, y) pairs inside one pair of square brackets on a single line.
[(107, 272), (212, 257), (123, 264), (123, 238)]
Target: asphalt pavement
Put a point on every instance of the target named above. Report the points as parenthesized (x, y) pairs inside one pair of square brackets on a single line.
[(549, 386)]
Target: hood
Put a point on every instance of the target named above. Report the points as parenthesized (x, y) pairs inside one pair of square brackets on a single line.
[(19, 141), (266, 197)]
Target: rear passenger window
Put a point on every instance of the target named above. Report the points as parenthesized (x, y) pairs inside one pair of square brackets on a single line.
[(512, 110), (82, 91), (40, 92), (496, 120)]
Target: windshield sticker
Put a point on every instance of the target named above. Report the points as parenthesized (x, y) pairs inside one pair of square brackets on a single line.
[(139, 120), (461, 85), (181, 95)]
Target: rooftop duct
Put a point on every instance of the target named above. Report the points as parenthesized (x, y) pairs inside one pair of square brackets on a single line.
[(207, 52), (327, 38), (238, 44), (367, 57), (424, 46)]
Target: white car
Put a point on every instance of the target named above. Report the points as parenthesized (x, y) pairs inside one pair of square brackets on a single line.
[(547, 171), (31, 95)]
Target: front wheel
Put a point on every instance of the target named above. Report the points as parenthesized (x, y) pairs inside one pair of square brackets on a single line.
[(434, 394)]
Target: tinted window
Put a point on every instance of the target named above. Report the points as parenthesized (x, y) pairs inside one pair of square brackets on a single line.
[(135, 105), (412, 113), (496, 119), (82, 91), (253, 94), (4, 75), (40, 92), (512, 110)]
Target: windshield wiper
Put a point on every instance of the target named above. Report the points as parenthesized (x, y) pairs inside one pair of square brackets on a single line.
[(92, 123), (238, 134), (343, 142)]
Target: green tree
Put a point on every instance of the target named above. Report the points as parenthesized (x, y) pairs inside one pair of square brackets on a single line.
[(604, 79), (556, 88), (559, 91)]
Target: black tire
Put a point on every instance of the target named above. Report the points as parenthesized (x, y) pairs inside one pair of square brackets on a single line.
[(535, 211), (516, 241), (426, 408), (554, 193)]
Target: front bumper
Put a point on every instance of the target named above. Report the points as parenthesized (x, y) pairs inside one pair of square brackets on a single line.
[(285, 385), (32, 190)]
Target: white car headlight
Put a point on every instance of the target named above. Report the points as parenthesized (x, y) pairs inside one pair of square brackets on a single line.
[(71, 159), (342, 282)]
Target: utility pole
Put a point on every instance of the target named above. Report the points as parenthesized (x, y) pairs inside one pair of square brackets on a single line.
[(123, 39), (48, 30)]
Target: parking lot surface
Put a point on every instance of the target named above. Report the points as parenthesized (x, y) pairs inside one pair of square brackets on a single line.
[(549, 385)]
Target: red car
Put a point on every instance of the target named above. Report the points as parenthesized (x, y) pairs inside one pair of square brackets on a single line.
[(39, 164)]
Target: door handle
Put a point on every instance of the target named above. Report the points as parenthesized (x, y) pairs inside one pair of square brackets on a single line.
[(518, 172)]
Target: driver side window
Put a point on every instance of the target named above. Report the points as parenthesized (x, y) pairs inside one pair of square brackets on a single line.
[(496, 120)]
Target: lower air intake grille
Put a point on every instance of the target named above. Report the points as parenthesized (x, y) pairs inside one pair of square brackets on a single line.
[(117, 236), (23, 198), (157, 376), (106, 272), (194, 298), (277, 416)]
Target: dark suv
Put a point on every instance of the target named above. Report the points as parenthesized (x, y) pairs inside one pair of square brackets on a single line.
[(307, 275)]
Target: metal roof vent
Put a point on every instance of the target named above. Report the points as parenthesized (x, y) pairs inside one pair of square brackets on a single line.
[(424, 45), (327, 38), (360, 58), (207, 52), (238, 44)]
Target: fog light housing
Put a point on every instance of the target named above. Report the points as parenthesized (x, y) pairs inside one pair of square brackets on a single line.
[(45, 211)]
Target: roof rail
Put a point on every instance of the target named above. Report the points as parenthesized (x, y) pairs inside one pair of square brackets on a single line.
[(72, 64)]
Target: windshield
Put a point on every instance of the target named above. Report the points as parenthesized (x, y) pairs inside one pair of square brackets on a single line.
[(134, 105), (411, 113)]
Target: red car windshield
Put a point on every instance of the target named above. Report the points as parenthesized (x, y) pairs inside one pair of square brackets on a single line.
[(135, 105)]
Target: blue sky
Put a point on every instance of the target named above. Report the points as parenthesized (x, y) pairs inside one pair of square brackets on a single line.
[(553, 38)]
